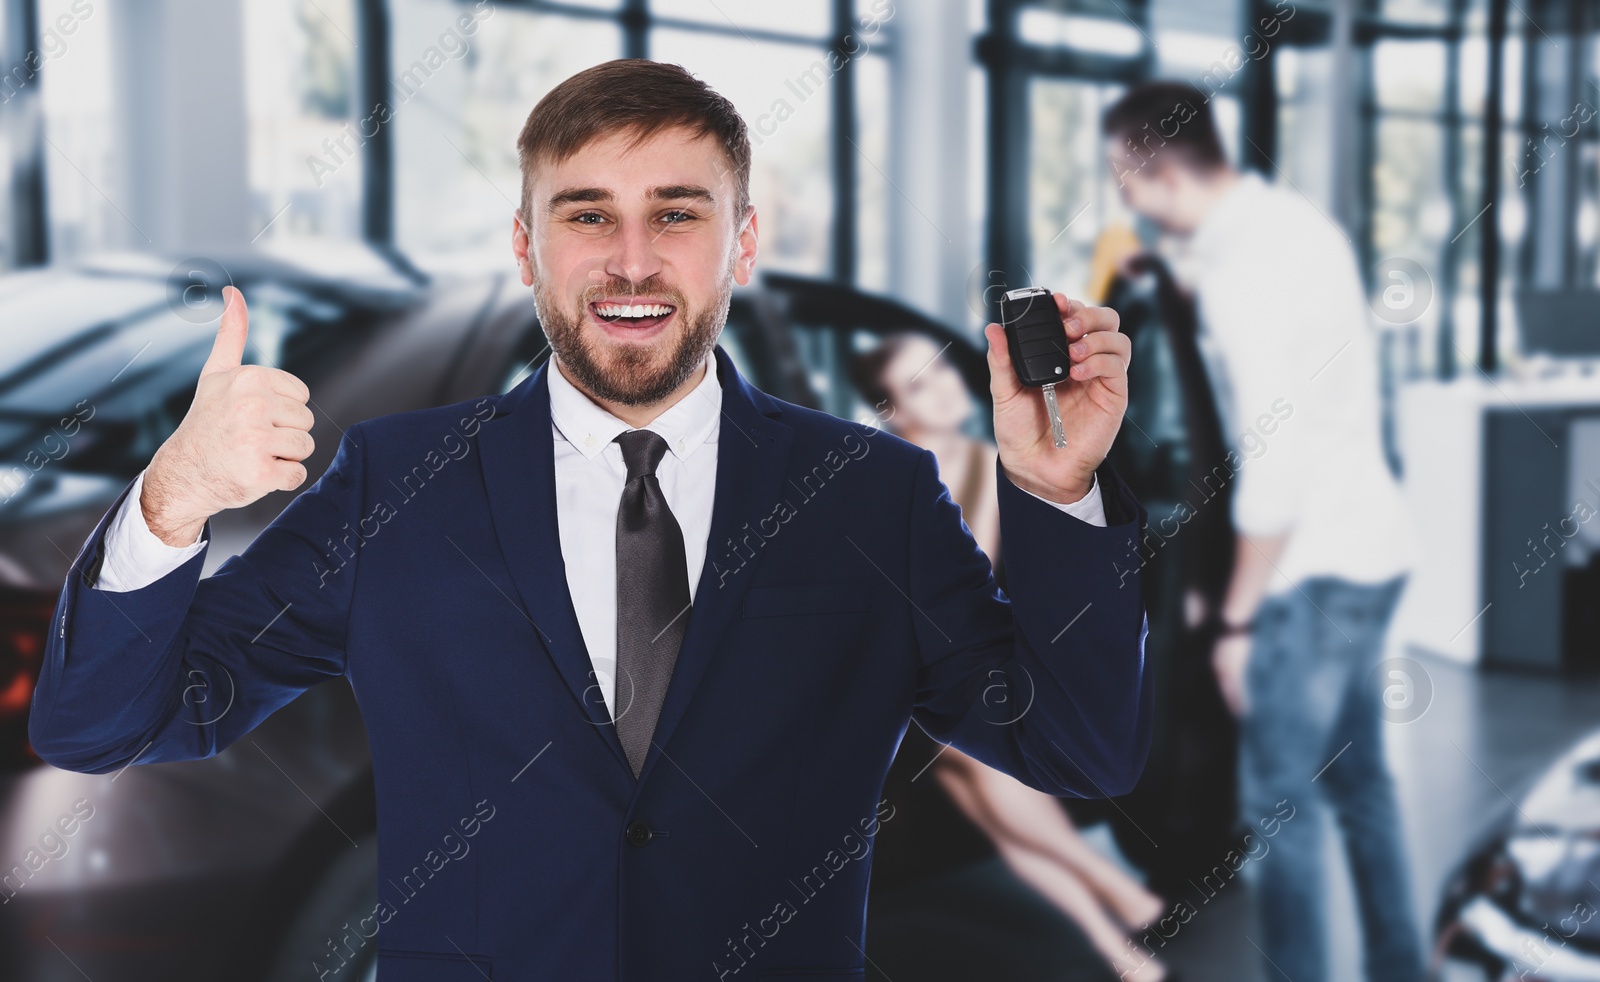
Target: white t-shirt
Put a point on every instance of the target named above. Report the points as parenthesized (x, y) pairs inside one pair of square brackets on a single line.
[(1286, 336)]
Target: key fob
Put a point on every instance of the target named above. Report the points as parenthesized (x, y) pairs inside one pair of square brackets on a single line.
[(1035, 336)]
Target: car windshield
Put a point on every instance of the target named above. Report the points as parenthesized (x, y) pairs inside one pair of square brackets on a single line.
[(101, 393)]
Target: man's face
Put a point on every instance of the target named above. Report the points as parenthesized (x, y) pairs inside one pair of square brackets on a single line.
[(1149, 189), (633, 252)]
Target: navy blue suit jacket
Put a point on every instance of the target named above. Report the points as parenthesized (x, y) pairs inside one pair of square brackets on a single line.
[(841, 596)]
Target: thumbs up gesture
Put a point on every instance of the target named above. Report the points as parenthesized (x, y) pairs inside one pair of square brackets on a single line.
[(245, 434)]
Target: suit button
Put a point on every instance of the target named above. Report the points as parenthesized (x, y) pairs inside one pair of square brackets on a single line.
[(639, 833)]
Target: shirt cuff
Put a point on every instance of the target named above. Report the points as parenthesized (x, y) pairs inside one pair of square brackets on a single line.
[(1089, 508), (132, 556)]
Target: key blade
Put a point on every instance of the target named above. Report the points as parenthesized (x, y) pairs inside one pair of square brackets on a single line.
[(1056, 431)]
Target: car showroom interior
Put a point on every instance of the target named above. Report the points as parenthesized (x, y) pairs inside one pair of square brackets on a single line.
[(1353, 245)]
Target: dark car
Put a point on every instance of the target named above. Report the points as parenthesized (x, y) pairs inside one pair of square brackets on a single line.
[(1525, 903), (1173, 453)]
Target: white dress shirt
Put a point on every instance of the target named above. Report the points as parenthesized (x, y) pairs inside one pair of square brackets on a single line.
[(1286, 336), (590, 474)]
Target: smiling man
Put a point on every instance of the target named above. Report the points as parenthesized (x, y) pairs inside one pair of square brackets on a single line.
[(672, 627)]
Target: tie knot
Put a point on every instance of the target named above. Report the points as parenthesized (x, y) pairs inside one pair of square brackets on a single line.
[(642, 450)]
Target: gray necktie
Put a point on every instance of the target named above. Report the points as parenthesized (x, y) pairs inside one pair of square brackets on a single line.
[(652, 595)]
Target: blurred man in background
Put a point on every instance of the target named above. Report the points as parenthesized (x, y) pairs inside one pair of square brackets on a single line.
[(1323, 546)]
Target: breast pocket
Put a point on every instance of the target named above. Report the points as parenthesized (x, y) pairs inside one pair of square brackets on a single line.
[(809, 598)]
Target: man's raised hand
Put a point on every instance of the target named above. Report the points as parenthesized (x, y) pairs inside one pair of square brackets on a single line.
[(245, 435), (1093, 399)]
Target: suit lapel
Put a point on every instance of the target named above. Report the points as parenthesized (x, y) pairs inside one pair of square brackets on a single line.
[(752, 460), (519, 474)]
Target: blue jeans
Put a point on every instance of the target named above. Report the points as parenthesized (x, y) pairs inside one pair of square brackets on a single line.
[(1311, 701)]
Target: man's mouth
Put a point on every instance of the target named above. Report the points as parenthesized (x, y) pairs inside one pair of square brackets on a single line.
[(633, 314)]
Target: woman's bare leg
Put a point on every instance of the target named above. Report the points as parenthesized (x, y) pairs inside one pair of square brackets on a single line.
[(1036, 821), (1056, 880)]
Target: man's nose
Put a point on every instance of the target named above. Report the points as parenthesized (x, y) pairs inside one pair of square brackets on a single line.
[(633, 255)]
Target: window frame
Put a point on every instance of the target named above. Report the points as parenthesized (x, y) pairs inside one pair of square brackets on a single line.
[(22, 116), (1010, 63), (636, 24)]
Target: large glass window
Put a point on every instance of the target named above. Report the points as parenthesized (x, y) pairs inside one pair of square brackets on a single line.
[(872, 185), (1410, 212), (749, 15), (1586, 112), (305, 123), (782, 90), (1465, 249), (1073, 195), (1416, 11), (978, 311), (8, 147), (75, 87), (458, 101), (1588, 215), (1409, 75), (1075, 60)]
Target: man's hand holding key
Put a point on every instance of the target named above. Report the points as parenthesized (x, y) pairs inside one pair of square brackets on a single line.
[(1092, 399)]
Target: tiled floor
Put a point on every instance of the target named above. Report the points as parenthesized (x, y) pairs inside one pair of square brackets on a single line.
[(1484, 737)]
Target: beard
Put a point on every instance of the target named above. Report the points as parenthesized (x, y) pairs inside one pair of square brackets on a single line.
[(631, 374)]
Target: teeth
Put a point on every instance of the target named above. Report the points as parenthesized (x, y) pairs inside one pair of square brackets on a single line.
[(632, 310)]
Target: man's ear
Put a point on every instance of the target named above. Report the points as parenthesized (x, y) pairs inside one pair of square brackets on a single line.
[(744, 262), (519, 249)]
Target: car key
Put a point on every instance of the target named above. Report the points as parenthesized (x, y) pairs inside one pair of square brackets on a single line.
[(1037, 341)]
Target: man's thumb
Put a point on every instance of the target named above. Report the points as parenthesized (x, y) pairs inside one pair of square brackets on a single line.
[(227, 351), (1003, 383)]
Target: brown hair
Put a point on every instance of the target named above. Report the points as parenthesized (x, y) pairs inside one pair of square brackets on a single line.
[(867, 369), (630, 94), (1166, 118)]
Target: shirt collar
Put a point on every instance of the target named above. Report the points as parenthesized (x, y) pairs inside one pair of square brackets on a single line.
[(685, 425)]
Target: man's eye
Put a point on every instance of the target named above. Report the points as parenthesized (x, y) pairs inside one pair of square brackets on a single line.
[(676, 217), (584, 219)]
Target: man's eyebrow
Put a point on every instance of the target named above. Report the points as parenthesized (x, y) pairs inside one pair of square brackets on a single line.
[(678, 192), (572, 195), (663, 192)]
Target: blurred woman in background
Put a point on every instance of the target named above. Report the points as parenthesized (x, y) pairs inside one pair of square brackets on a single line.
[(951, 878), (921, 397)]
